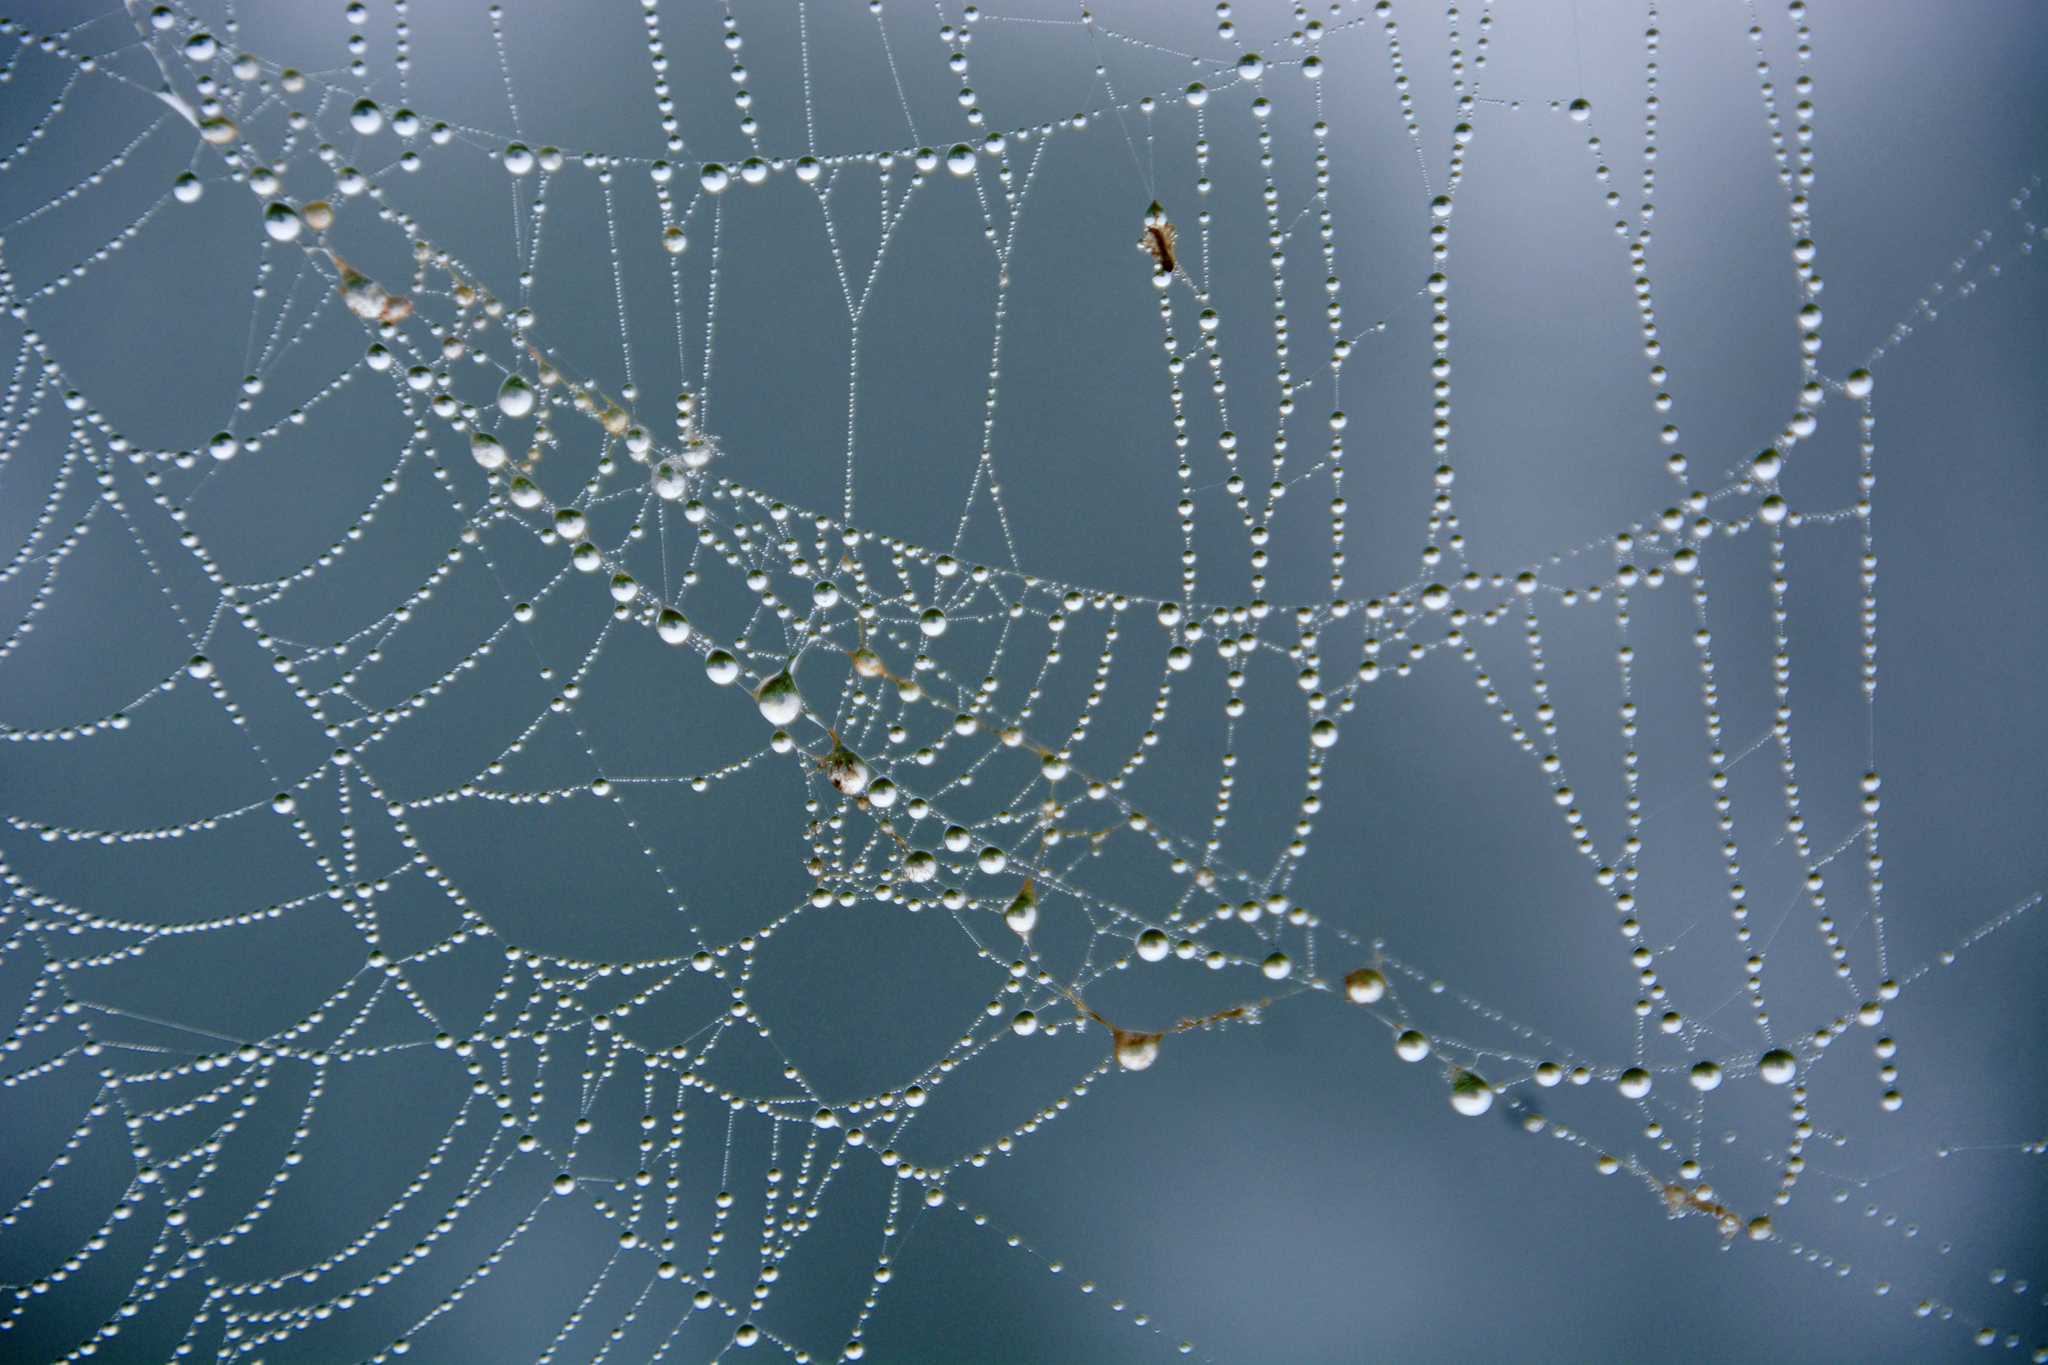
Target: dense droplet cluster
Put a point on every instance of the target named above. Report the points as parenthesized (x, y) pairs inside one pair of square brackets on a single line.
[(866, 657)]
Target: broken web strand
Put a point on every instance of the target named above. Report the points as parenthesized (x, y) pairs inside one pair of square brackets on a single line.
[(728, 1145)]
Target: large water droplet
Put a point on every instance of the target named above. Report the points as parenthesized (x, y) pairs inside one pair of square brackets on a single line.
[(779, 700), (1410, 1045), (518, 158), (933, 622), (187, 188), (1022, 915), (366, 118), (515, 396), (960, 161), (714, 178), (1250, 66), (1277, 967), (1706, 1075), (1634, 1083), (1136, 1051), (1198, 95), (1152, 945), (1581, 110), (282, 222), (672, 627), (1365, 986), (1470, 1094), (721, 667)]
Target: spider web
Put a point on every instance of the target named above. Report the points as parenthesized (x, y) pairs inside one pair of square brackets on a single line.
[(428, 945)]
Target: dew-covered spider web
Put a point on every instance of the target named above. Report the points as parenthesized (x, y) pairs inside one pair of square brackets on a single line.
[(837, 679)]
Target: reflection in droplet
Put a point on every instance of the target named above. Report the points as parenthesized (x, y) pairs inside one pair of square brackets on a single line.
[(1365, 986), (1470, 1094)]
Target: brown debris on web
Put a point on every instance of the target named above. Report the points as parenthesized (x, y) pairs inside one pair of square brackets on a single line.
[(1158, 239), (366, 298), (1134, 1050)]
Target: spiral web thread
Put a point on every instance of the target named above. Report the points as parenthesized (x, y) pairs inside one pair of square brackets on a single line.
[(899, 712)]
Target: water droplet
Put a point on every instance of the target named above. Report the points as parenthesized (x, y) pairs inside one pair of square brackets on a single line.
[(1858, 384), (200, 47), (565, 1183), (488, 453), (1198, 95), (1152, 945), (283, 804), (1025, 1024), (1277, 967), (1470, 1094), (932, 622), (1581, 110), (808, 169), (282, 222), (223, 446), (1136, 1051), (1312, 67), (1870, 1014), (1365, 986), (1410, 1045), (518, 158), (200, 666), (1323, 733), (920, 866), (1250, 66), (747, 1335), (721, 667), (1760, 1229), (753, 170), (714, 178), (672, 627), (218, 132), (1440, 207), (1634, 1083), (366, 118), (1706, 1076), (1022, 916), (187, 188), (960, 161), (624, 588), (1436, 597), (1209, 322), (515, 396), (779, 700), (991, 860), (1549, 1074)]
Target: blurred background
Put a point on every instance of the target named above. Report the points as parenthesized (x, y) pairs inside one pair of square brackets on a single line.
[(976, 366)]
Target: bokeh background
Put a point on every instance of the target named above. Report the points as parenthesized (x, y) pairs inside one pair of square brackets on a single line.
[(1282, 1192)]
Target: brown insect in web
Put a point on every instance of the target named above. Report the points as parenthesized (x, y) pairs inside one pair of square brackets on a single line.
[(1158, 239)]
